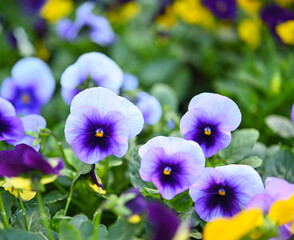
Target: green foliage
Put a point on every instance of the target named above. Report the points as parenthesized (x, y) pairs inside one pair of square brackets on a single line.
[(281, 126), (17, 234), (7, 202), (122, 230)]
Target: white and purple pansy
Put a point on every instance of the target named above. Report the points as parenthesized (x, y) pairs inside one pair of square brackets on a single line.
[(224, 191), (100, 124), (91, 69), (209, 121), (172, 164), (30, 86)]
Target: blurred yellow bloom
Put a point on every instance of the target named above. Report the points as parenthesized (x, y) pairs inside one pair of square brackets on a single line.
[(250, 6), (234, 228), (25, 194), (286, 32), (168, 19), (183, 231), (282, 211), (249, 32), (125, 13), (53, 10), (42, 51), (284, 2), (193, 12)]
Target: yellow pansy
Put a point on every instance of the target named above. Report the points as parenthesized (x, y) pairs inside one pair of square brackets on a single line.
[(168, 19), (26, 195), (53, 10), (250, 6), (125, 13), (234, 228), (282, 211), (249, 32), (193, 12), (286, 32)]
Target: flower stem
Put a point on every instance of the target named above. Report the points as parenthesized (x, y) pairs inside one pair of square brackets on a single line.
[(60, 147), (23, 211), (3, 212), (96, 220), (105, 174), (68, 200), (43, 215)]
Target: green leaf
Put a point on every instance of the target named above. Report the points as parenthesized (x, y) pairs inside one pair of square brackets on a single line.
[(68, 231), (72, 158), (281, 165), (254, 161), (151, 192), (196, 234), (32, 134), (181, 202), (17, 234), (165, 95), (54, 196), (122, 230), (77, 220), (191, 216), (7, 202), (241, 145), (34, 218), (87, 230), (280, 125)]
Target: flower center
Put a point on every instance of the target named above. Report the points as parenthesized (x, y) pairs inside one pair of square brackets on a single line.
[(25, 98), (99, 133), (167, 171), (222, 192), (207, 131)]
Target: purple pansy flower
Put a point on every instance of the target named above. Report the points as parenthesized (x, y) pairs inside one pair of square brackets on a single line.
[(273, 15), (163, 221), (209, 121), (224, 191), (150, 107), (222, 9), (100, 124), (94, 67), (292, 113), (130, 82), (275, 189), (99, 29), (172, 164), (32, 123), (11, 128), (24, 160), (30, 86)]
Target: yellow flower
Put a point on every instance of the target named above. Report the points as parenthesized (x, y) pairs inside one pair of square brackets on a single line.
[(168, 19), (284, 3), (193, 12), (25, 194), (53, 10), (282, 211), (249, 32), (250, 6), (234, 228), (286, 32), (125, 13)]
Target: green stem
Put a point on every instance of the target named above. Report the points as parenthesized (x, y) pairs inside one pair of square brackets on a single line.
[(68, 200), (60, 147), (97, 219), (23, 211), (43, 215), (105, 174), (3, 212)]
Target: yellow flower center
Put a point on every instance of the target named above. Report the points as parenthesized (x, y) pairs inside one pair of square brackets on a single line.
[(25, 98), (222, 192), (99, 133), (207, 131), (167, 171)]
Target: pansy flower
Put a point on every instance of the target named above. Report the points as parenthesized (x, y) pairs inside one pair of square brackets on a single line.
[(30, 86), (209, 121), (20, 166), (98, 28), (91, 69), (100, 124), (150, 107), (222, 9), (172, 164), (33, 123), (224, 191), (275, 189), (11, 128), (130, 82)]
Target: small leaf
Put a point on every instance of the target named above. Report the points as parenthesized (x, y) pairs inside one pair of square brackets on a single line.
[(241, 145), (280, 125), (77, 220), (254, 161), (122, 230), (54, 196), (68, 231), (17, 234), (31, 133), (7, 202), (195, 234), (191, 216)]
